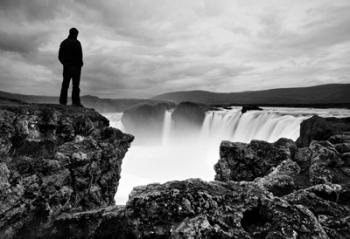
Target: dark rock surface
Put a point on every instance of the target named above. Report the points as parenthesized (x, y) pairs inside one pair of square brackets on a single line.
[(316, 176), (249, 108), (240, 161), (318, 128), (55, 159), (330, 203), (189, 116), (146, 121), (196, 209)]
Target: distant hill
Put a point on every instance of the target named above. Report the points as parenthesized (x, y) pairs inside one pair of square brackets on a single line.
[(332, 95), (7, 101), (322, 95), (100, 104)]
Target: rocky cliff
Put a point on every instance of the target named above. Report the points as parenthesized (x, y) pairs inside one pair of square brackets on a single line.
[(60, 169), (54, 160)]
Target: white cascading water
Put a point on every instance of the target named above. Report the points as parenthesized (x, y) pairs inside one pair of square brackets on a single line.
[(193, 156), (166, 127)]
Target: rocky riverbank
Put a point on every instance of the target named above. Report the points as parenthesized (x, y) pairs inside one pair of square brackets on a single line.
[(60, 168)]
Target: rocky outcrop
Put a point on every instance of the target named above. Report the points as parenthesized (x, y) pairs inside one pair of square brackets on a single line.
[(54, 160), (245, 162), (330, 205), (197, 209), (249, 108), (189, 116), (318, 128), (146, 121), (316, 176)]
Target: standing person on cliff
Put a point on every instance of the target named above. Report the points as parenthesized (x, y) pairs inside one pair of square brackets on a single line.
[(71, 56)]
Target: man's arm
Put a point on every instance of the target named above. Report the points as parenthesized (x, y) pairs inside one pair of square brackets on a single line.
[(60, 54), (80, 52)]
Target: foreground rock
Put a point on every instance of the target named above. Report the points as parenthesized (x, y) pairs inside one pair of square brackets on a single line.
[(318, 128), (197, 209), (240, 161), (55, 159), (316, 176)]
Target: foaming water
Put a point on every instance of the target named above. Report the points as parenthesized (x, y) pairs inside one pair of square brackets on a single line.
[(194, 154)]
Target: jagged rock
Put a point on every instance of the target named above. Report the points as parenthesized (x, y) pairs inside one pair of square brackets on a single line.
[(342, 147), (189, 116), (249, 108), (330, 204), (316, 177), (198, 209), (106, 222), (318, 128), (55, 159), (339, 138), (240, 161), (193, 209), (346, 158), (281, 180), (146, 121), (325, 164)]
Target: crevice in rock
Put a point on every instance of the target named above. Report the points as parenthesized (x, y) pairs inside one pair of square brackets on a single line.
[(255, 222), (332, 196)]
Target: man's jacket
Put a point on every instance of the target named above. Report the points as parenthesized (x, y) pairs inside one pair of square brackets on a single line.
[(70, 53)]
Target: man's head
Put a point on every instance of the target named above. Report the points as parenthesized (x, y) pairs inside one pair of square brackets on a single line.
[(73, 32)]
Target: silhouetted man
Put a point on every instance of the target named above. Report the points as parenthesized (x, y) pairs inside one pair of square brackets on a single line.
[(71, 57)]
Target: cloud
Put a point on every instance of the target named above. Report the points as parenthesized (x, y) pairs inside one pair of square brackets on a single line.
[(21, 42), (140, 48)]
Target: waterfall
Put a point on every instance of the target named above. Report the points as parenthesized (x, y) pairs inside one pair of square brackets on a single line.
[(193, 156), (262, 125), (166, 127)]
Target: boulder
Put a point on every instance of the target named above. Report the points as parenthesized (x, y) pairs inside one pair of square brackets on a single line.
[(55, 159), (245, 162), (330, 205), (249, 108), (318, 128), (198, 209), (281, 180), (325, 164)]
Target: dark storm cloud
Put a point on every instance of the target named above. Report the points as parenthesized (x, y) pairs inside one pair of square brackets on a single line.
[(32, 10), (139, 48), (21, 42)]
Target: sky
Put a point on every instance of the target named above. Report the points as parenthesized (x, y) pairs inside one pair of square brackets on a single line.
[(142, 48)]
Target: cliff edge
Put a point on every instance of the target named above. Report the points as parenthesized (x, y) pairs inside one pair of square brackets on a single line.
[(54, 160)]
